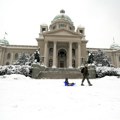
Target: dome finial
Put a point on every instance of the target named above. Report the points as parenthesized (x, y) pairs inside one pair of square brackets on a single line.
[(113, 40), (62, 11)]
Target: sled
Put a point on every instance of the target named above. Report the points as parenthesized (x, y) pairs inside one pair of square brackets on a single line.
[(69, 84)]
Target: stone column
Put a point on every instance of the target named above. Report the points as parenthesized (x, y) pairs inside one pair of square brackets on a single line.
[(2, 56), (70, 54), (11, 58), (45, 53), (117, 58), (54, 54), (79, 54)]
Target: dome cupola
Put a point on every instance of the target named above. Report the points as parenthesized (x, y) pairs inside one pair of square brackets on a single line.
[(115, 46), (4, 42), (62, 16), (62, 21)]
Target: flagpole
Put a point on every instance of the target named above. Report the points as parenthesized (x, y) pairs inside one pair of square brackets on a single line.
[(5, 35)]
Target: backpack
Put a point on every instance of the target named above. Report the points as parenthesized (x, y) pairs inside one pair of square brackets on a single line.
[(82, 70)]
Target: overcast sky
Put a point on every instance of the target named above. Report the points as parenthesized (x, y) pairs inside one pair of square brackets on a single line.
[(21, 19)]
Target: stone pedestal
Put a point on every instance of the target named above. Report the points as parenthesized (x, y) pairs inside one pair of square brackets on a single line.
[(37, 69), (92, 71)]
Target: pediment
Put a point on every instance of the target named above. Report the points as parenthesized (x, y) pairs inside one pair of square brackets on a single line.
[(61, 32)]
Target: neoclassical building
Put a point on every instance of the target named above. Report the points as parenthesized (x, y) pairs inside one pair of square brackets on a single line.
[(61, 45)]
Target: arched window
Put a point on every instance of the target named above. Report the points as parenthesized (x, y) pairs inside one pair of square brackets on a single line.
[(50, 63), (16, 56), (54, 27), (73, 63), (70, 27), (7, 63), (8, 56), (51, 51)]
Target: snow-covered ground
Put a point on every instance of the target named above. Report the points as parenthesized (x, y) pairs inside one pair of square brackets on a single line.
[(23, 98)]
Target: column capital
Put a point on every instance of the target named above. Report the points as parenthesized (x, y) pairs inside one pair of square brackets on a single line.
[(46, 41), (54, 41), (70, 42)]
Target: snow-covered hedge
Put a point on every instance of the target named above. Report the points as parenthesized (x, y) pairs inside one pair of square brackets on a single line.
[(27, 70), (16, 69), (107, 71)]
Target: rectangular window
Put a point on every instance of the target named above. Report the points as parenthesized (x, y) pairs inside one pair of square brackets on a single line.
[(43, 29), (81, 31), (62, 25)]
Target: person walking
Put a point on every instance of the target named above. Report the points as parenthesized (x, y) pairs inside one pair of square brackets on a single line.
[(85, 75)]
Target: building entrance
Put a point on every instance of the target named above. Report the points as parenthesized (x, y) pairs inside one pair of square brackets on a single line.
[(62, 58)]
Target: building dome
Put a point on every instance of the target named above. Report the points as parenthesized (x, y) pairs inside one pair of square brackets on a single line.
[(4, 42), (62, 16), (115, 46)]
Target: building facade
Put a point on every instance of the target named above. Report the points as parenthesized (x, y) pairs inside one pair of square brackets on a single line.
[(10, 53), (61, 45)]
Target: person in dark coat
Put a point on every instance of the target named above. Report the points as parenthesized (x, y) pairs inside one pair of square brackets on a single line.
[(67, 83), (85, 75)]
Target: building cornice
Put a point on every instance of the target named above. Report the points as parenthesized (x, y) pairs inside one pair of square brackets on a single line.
[(60, 30)]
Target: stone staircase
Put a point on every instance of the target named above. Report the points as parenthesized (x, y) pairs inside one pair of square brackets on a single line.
[(58, 73)]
